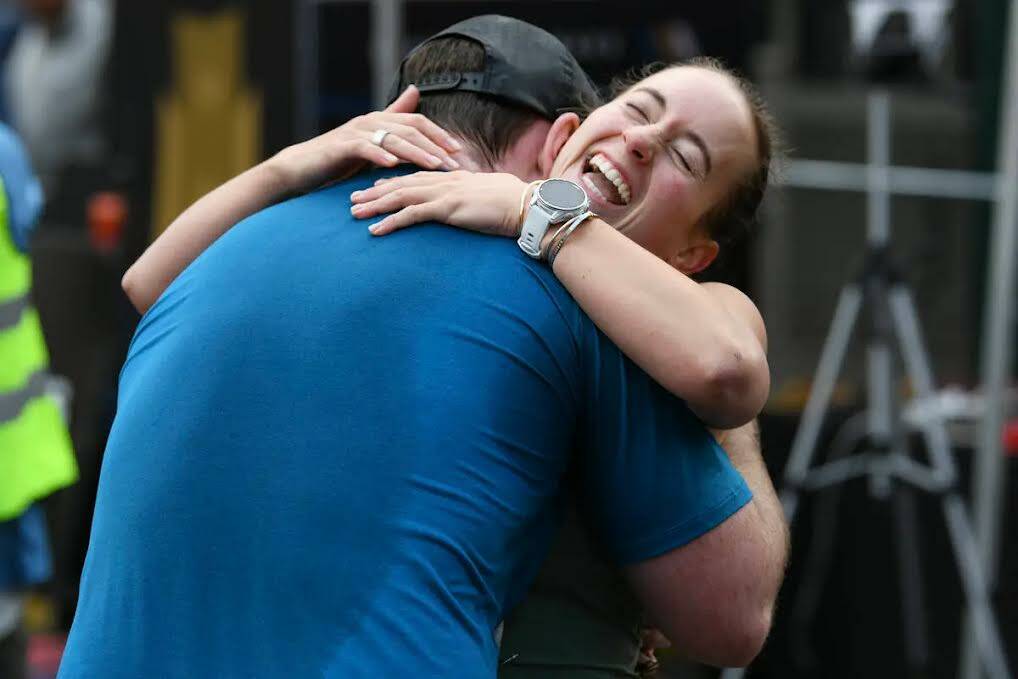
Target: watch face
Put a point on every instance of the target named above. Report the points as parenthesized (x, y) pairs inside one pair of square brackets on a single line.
[(562, 194)]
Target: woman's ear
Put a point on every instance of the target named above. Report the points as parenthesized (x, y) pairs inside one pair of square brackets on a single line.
[(558, 134), (696, 256)]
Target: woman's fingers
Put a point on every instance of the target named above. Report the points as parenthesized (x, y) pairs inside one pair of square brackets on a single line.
[(408, 216), (392, 201), (406, 102), (411, 136), (407, 143), (401, 123), (416, 180), (432, 130), (410, 152), (429, 129), (436, 156), (373, 153), (420, 178)]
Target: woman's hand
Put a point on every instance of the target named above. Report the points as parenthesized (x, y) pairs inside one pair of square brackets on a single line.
[(486, 202), (347, 149), (303, 167)]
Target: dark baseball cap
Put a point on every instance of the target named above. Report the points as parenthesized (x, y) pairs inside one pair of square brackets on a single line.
[(524, 65)]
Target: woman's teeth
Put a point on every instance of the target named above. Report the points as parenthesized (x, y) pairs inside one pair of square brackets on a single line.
[(605, 167)]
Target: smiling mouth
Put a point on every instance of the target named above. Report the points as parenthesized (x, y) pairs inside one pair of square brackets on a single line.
[(602, 178)]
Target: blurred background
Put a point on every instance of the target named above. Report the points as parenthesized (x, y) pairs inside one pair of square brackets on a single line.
[(129, 111)]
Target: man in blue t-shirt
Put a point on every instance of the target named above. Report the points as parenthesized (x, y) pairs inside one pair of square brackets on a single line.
[(337, 456)]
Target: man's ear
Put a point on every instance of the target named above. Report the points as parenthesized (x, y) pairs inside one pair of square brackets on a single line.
[(558, 134), (696, 256)]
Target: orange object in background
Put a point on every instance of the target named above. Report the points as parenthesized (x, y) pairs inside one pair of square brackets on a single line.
[(106, 214), (44, 653), (1011, 438)]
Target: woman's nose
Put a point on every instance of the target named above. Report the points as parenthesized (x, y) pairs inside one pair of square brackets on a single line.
[(639, 142)]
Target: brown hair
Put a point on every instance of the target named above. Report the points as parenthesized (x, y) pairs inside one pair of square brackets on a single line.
[(733, 216), (489, 124)]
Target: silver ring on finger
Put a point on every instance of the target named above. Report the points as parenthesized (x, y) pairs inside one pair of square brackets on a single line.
[(379, 136)]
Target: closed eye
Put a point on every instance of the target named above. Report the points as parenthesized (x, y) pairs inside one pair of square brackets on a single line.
[(639, 111), (685, 163), (676, 154)]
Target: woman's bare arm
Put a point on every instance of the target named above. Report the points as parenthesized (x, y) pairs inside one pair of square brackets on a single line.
[(196, 229), (334, 155), (704, 343)]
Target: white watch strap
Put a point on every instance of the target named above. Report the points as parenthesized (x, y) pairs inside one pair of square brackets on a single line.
[(534, 227)]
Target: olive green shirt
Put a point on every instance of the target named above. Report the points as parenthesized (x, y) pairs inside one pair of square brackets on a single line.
[(579, 620)]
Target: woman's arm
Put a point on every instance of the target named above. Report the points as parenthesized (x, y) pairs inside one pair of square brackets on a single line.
[(334, 155), (704, 343), (196, 229)]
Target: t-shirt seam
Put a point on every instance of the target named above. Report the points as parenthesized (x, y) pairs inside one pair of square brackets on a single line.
[(635, 550)]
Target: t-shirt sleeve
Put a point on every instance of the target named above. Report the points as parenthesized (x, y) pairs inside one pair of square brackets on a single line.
[(654, 477)]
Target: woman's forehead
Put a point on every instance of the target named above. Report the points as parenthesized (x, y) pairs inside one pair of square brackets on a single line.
[(691, 84), (708, 100)]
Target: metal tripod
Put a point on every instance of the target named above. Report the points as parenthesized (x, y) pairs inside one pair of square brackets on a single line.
[(885, 461)]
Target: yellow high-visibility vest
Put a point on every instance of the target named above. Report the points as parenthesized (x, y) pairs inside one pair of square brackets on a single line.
[(36, 457)]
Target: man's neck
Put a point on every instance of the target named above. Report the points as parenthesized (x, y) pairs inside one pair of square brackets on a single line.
[(521, 159), (472, 160)]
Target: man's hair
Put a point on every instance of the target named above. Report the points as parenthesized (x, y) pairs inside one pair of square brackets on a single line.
[(734, 215), (487, 123)]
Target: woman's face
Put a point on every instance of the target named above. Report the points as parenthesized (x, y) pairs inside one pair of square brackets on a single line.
[(660, 155)]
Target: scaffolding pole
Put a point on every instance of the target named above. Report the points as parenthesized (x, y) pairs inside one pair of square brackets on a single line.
[(386, 47), (998, 338)]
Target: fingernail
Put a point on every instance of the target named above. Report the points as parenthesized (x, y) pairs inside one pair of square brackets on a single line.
[(452, 164), (356, 208), (434, 161), (453, 144), (356, 194), (391, 158), (374, 227)]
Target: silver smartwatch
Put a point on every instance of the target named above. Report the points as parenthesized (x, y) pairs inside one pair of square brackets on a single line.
[(554, 202)]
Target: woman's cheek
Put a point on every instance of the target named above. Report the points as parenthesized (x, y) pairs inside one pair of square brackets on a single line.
[(669, 192), (685, 196)]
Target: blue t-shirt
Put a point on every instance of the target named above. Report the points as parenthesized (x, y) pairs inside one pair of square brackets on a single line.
[(333, 455)]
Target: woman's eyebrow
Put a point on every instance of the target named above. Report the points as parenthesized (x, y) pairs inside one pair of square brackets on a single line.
[(689, 134), (660, 98)]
